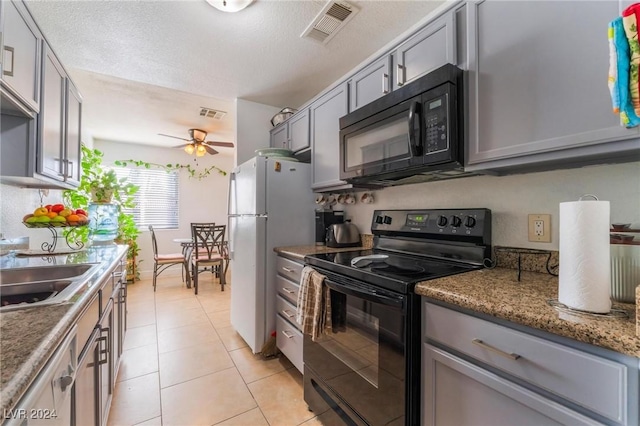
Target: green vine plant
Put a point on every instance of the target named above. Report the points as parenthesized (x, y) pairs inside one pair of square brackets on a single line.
[(193, 173)]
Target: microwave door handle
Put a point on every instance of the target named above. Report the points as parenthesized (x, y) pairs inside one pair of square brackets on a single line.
[(415, 145)]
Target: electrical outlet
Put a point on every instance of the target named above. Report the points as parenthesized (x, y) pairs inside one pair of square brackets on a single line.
[(540, 228)]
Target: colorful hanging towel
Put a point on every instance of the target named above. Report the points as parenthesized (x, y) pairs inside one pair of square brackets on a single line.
[(620, 82), (630, 23)]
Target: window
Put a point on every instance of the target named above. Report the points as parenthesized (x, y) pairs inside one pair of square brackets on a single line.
[(156, 200)]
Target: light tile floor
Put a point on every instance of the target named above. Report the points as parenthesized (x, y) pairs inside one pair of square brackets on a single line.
[(184, 364)]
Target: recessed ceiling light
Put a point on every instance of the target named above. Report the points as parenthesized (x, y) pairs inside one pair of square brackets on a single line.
[(229, 5)]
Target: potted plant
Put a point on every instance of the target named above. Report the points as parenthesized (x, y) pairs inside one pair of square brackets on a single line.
[(101, 185)]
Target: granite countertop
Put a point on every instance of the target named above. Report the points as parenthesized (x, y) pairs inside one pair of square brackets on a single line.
[(498, 293), (29, 336)]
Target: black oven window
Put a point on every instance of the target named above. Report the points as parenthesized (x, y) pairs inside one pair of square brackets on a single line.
[(354, 340)]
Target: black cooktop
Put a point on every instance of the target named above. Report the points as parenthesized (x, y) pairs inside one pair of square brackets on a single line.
[(398, 272)]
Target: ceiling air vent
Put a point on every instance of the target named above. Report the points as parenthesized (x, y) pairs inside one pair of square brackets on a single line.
[(329, 21), (211, 113)]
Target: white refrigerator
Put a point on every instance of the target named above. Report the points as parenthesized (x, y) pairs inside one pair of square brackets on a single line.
[(270, 205)]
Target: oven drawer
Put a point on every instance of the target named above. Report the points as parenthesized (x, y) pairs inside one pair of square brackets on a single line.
[(289, 269), (288, 289), (593, 382), (287, 311), (289, 340)]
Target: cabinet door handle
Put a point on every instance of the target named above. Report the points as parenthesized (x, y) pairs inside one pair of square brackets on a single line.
[(496, 350), (288, 290), (287, 313), (8, 59), (68, 166), (287, 269), (400, 75), (106, 350), (287, 334), (385, 83)]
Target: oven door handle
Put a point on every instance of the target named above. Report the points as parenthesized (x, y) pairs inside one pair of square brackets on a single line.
[(370, 295), (415, 143)]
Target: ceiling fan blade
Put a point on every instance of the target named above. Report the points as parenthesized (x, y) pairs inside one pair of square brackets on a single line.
[(175, 137), (223, 144), (181, 146), (210, 150)]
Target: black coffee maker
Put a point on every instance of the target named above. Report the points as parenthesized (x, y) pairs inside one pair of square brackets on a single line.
[(325, 218)]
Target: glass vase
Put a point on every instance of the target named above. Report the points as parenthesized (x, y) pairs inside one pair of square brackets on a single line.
[(103, 223)]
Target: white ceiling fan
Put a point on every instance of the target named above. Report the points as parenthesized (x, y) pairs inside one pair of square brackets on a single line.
[(198, 144)]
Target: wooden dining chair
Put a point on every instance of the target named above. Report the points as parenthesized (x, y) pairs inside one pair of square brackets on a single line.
[(209, 252), (163, 261)]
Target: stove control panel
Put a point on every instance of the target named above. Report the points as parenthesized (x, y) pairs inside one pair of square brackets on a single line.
[(455, 224)]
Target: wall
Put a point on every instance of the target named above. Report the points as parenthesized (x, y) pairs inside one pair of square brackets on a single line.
[(253, 122), (512, 198), (200, 200)]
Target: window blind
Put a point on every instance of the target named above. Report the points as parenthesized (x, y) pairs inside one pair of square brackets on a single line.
[(156, 202)]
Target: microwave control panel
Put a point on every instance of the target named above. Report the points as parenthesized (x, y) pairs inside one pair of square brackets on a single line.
[(436, 125)]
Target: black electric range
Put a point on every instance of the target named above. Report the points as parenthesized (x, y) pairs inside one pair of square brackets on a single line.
[(375, 344)]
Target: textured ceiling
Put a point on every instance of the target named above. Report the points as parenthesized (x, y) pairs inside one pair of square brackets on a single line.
[(145, 67)]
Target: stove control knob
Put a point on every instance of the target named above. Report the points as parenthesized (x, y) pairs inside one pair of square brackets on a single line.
[(455, 221), (442, 221), (387, 220), (378, 219), (470, 221)]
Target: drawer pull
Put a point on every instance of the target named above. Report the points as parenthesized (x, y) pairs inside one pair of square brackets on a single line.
[(496, 350), (287, 334), (288, 269), (287, 313), (288, 290)]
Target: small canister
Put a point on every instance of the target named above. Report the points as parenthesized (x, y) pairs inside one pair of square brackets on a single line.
[(625, 272)]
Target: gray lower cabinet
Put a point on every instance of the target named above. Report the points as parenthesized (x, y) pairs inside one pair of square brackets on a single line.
[(325, 113), (432, 47), (500, 375), (288, 335), (371, 83), (20, 78), (457, 392), (535, 96)]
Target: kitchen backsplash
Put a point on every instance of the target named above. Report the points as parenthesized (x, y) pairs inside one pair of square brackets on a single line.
[(512, 198)]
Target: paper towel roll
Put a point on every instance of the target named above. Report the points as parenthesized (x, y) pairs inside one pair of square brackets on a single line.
[(585, 265)]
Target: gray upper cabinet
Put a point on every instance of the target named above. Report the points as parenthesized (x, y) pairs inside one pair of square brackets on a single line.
[(293, 134), (20, 56), (299, 131), (536, 96), (325, 113), (280, 136), (73, 123), (371, 83), (432, 47), (51, 138)]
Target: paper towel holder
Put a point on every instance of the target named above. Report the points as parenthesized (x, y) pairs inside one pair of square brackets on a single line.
[(588, 195)]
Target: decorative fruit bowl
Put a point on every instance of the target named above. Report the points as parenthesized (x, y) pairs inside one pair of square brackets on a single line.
[(55, 224)]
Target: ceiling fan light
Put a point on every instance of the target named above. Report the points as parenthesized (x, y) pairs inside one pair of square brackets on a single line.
[(200, 151), (230, 5), (189, 149), (198, 134)]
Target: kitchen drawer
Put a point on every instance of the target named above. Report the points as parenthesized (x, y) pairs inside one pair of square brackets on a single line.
[(287, 311), (288, 289), (289, 341), (289, 269), (595, 383)]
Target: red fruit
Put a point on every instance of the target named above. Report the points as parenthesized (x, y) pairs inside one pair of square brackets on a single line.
[(56, 208), (81, 211), (48, 207)]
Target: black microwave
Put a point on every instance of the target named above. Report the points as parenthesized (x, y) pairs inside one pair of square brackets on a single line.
[(410, 135)]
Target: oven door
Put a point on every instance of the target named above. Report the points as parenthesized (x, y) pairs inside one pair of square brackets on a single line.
[(359, 368)]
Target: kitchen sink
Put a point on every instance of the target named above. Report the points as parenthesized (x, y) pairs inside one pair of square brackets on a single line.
[(25, 287), (41, 273)]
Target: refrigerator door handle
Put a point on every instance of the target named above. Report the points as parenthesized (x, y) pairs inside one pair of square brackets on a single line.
[(232, 185)]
